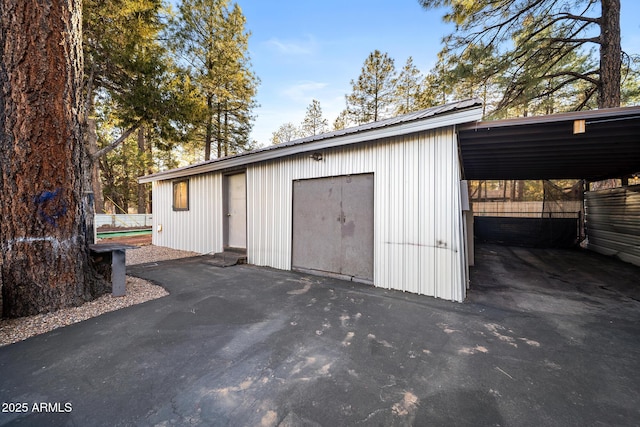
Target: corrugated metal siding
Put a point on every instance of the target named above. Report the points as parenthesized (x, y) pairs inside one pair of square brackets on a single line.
[(613, 222), (200, 228), (418, 230)]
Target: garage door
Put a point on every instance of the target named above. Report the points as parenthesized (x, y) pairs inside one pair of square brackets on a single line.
[(333, 226)]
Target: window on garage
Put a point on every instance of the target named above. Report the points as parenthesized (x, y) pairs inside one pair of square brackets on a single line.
[(181, 195)]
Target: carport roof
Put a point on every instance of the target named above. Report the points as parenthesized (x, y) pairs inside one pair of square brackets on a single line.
[(545, 147)]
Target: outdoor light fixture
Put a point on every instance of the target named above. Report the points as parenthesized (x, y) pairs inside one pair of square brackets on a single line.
[(159, 228), (579, 126), (317, 156)]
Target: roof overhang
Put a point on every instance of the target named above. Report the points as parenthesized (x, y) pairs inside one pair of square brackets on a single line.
[(546, 147), (433, 118)]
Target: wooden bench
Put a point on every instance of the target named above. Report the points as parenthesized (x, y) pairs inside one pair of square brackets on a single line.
[(115, 255)]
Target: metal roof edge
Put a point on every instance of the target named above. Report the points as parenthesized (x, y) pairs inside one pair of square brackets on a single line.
[(451, 118), (552, 118)]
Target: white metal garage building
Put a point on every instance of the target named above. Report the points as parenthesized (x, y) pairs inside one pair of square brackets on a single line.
[(380, 203), (386, 203)]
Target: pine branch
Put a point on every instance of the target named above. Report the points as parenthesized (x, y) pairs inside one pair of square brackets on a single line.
[(567, 15), (574, 40), (580, 76), (98, 154), (587, 98)]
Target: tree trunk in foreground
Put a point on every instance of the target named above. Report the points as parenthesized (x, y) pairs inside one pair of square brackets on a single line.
[(45, 262)]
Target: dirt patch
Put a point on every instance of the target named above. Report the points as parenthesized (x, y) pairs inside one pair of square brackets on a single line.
[(143, 240)]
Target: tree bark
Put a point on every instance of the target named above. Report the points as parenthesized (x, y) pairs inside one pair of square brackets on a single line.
[(209, 131), (219, 129), (96, 183), (45, 258), (226, 133), (610, 55), (142, 188)]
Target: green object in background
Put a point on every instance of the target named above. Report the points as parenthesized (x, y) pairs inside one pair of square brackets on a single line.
[(128, 233)]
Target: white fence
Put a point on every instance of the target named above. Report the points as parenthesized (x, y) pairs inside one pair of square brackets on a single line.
[(130, 220), (564, 209)]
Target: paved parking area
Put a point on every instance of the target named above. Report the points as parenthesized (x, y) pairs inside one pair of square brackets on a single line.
[(544, 338)]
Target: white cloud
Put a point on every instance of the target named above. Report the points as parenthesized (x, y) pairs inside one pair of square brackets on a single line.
[(307, 46), (304, 91)]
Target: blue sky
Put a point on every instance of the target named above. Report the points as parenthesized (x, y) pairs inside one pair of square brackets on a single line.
[(303, 50)]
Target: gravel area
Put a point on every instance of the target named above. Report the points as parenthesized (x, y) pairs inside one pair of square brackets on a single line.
[(152, 253), (138, 291)]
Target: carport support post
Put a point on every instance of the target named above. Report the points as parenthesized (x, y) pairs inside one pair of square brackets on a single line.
[(118, 270)]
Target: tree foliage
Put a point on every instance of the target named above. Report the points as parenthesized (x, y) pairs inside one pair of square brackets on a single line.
[(342, 121), (129, 81), (285, 133), (314, 123), (537, 50), (409, 89), (372, 95), (213, 43), (124, 62)]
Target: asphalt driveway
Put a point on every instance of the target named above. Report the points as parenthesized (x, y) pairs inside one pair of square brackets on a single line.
[(545, 338)]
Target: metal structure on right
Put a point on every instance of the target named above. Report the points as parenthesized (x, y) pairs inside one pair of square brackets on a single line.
[(613, 222)]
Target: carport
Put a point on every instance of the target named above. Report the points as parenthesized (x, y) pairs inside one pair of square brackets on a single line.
[(587, 145)]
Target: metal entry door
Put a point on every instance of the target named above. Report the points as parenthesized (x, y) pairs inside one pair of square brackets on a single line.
[(236, 216), (333, 226)]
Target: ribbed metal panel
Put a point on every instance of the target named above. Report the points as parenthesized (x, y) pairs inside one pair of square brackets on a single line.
[(418, 230), (613, 222), (200, 228)]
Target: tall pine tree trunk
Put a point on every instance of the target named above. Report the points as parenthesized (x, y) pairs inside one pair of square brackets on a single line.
[(226, 132), (219, 128), (45, 261), (209, 131), (142, 188), (610, 55), (96, 182)]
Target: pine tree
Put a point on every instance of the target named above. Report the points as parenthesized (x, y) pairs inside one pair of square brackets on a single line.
[(409, 87), (535, 84), (314, 123), (211, 36), (285, 133), (464, 76), (532, 40), (372, 94), (44, 261), (126, 76), (342, 121)]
